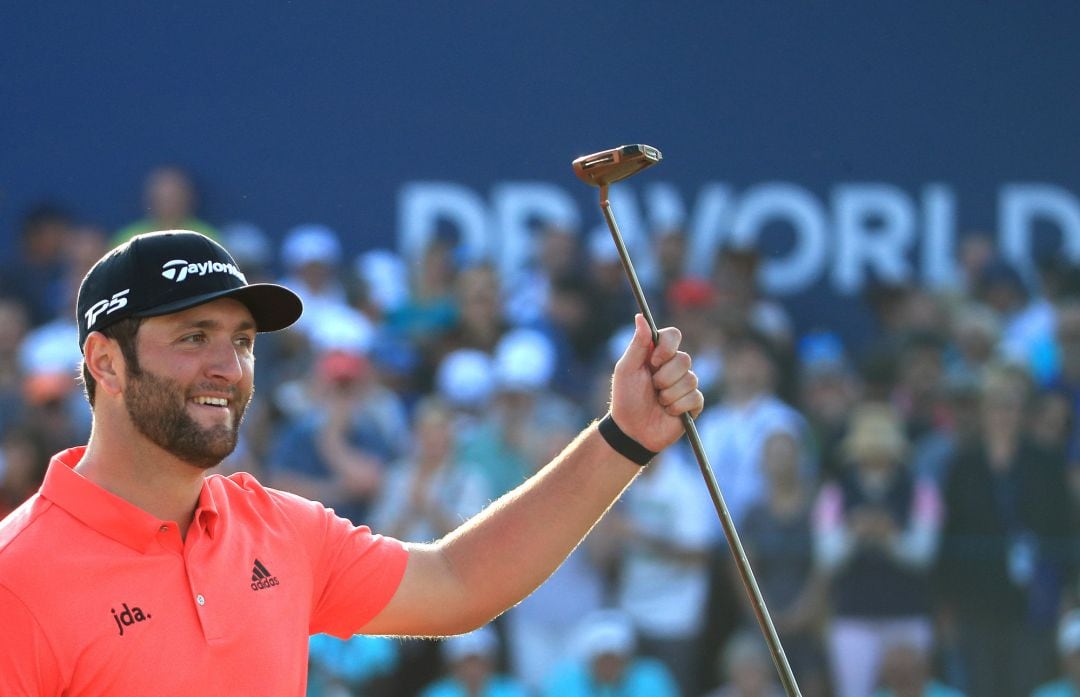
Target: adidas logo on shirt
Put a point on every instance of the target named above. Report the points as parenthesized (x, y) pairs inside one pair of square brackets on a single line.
[(261, 578)]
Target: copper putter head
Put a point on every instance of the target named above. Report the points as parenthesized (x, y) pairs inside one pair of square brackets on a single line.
[(609, 166)]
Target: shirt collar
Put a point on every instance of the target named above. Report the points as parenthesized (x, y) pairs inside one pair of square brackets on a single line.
[(106, 512), (206, 514)]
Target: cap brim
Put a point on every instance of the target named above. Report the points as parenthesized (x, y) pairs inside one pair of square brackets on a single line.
[(274, 307)]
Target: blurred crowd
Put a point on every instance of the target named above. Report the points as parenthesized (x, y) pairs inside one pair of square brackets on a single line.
[(909, 506)]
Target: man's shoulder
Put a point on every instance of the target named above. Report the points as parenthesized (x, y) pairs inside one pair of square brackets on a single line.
[(241, 486), (241, 491), (18, 526)]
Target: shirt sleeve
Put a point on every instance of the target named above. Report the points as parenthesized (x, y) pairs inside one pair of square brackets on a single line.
[(28, 666), (355, 573)]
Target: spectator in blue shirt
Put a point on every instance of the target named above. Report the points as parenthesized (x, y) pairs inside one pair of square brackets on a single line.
[(608, 665), (471, 659), (359, 665)]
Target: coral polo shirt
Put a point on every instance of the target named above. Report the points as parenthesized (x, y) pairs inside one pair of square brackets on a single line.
[(98, 597)]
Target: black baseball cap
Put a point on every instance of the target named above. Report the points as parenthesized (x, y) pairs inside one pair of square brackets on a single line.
[(162, 272)]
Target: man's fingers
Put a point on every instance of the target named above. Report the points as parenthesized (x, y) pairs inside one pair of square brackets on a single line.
[(666, 346), (677, 386), (686, 384), (692, 402), (672, 370)]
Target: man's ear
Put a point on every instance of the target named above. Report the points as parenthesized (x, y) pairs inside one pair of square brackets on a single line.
[(105, 362)]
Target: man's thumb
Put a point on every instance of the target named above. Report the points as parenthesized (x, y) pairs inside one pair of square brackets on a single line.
[(640, 345)]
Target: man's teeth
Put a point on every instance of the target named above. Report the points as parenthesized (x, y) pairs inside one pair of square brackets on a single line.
[(212, 401)]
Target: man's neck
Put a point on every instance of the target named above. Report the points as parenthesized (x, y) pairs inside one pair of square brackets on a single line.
[(146, 476)]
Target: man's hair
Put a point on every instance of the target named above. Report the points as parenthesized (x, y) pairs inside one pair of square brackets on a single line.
[(123, 333)]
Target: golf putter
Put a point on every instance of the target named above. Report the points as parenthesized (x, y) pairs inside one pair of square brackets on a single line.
[(602, 169)]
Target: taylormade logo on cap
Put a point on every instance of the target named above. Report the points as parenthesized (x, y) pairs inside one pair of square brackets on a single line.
[(179, 269)]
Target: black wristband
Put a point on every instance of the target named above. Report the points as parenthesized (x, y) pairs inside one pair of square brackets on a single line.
[(624, 444)]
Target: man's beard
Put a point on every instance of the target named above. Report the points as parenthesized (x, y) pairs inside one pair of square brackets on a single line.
[(157, 408)]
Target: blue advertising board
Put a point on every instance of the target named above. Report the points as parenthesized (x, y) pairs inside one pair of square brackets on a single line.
[(849, 142)]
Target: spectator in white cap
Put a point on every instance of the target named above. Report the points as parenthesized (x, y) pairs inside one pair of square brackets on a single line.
[(465, 380), (607, 663), (516, 437), (311, 256), (471, 661), (385, 278), (1068, 645)]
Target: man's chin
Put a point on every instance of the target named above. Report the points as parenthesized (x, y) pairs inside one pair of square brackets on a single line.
[(206, 463), (208, 454)]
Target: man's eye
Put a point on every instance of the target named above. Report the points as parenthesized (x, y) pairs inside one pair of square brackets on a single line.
[(245, 341), (194, 338)]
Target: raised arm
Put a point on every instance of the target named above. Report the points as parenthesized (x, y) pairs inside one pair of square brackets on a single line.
[(501, 555)]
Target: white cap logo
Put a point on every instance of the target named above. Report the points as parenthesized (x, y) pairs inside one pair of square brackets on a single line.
[(108, 306), (179, 269)]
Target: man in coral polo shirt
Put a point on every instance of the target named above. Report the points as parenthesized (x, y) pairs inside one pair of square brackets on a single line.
[(131, 572)]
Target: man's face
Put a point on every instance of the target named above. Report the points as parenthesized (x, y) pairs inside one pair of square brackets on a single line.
[(193, 383)]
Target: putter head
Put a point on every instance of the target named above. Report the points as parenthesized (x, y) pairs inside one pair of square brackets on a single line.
[(609, 166)]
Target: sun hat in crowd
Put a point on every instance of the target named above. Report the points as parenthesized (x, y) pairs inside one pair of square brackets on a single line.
[(310, 243), (875, 430), (466, 378), (604, 632), (525, 361)]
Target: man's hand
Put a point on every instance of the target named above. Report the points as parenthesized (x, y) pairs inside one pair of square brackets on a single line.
[(652, 386)]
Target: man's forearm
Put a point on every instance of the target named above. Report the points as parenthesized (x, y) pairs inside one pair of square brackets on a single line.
[(505, 552), (514, 545)]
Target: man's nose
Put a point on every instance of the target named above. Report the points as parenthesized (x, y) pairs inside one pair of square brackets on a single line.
[(226, 362)]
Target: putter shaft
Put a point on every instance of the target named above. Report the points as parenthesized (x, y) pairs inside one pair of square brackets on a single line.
[(783, 668)]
